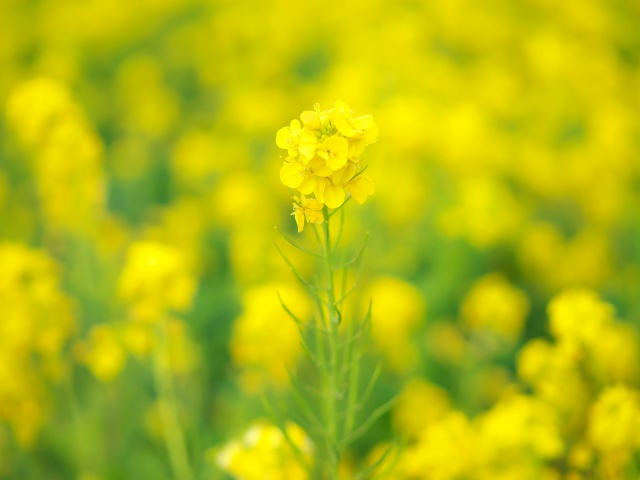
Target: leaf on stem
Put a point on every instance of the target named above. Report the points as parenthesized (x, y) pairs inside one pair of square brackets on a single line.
[(296, 245), (365, 474), (311, 287), (366, 425), (358, 256)]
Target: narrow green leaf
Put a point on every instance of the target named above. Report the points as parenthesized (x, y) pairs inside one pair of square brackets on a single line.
[(312, 288), (296, 245), (359, 255), (364, 426), (363, 475)]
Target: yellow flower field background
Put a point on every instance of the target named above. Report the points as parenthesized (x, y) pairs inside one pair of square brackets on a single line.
[(142, 332)]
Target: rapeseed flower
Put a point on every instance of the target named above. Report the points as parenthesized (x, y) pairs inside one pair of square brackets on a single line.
[(36, 321), (103, 353), (494, 304), (324, 150), (578, 315), (308, 209), (156, 280), (612, 431)]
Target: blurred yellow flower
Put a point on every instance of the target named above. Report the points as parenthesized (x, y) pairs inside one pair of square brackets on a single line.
[(445, 450), (614, 420), (36, 321), (410, 415), (103, 353), (156, 281), (494, 304), (579, 315), (264, 453)]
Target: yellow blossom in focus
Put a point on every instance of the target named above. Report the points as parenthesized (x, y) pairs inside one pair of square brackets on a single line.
[(308, 209), (334, 151), (361, 188), (296, 141), (354, 127), (324, 156)]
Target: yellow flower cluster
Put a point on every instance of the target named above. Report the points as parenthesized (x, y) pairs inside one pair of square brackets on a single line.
[(67, 153), (583, 410), (512, 440), (103, 352), (614, 423), (496, 305), (107, 347), (156, 281), (35, 322), (265, 453), (324, 150), (592, 352)]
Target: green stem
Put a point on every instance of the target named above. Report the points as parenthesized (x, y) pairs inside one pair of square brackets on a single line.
[(332, 387), (167, 407)]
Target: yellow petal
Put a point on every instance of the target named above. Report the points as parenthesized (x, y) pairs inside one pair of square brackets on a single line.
[(308, 185), (314, 216), (299, 216), (281, 138), (360, 188), (310, 120), (362, 122), (295, 128), (333, 195), (342, 176), (334, 150), (356, 147), (307, 145), (321, 184), (319, 167), (313, 204), (371, 134), (292, 174)]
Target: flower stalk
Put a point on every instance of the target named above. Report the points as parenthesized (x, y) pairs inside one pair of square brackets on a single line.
[(324, 159), (167, 407)]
